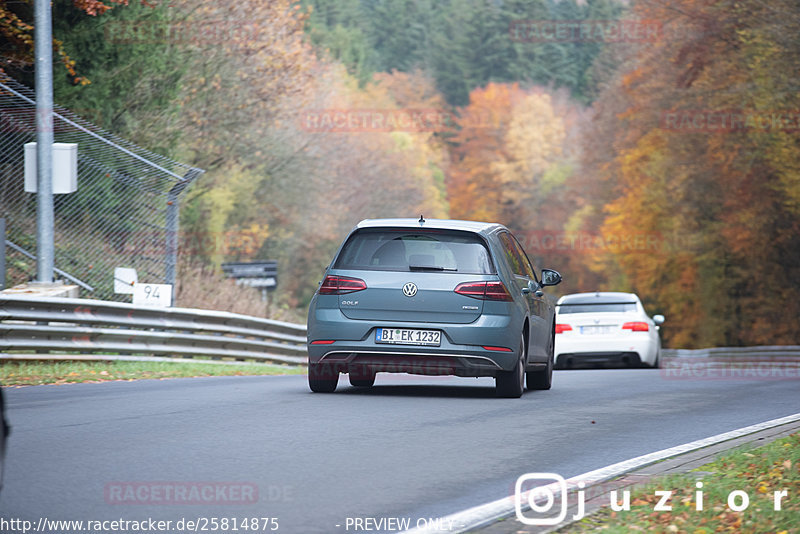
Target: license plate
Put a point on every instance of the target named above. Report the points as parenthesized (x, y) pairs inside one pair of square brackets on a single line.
[(408, 336), (594, 330)]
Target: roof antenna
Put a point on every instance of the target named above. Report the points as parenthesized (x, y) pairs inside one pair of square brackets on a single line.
[(421, 219)]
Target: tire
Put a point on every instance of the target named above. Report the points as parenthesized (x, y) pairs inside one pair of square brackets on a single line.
[(322, 378), (657, 362), (362, 377), (542, 379), (511, 384)]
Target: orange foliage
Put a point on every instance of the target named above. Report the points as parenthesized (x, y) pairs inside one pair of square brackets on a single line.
[(721, 200), (474, 186)]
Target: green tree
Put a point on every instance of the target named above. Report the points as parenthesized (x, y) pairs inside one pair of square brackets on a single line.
[(135, 71), (463, 44)]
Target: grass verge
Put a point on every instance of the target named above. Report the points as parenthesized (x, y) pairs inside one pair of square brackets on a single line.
[(759, 473), (30, 373)]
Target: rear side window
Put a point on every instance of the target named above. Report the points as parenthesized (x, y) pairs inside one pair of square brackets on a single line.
[(415, 250), (526, 263), (515, 260)]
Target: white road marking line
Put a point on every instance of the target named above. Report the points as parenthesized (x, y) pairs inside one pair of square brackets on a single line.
[(484, 514)]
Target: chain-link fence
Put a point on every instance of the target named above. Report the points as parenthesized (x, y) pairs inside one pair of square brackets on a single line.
[(124, 213)]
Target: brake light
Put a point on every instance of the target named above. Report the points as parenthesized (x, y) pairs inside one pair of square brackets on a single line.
[(636, 326), (340, 285), (484, 290), (475, 290), (561, 328), (496, 291)]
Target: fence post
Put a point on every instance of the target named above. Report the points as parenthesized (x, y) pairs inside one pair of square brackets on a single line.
[(2, 253), (172, 236), (43, 48), (172, 227)]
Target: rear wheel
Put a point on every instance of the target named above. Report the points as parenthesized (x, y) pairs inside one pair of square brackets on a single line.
[(362, 377), (510, 384), (322, 378), (542, 379)]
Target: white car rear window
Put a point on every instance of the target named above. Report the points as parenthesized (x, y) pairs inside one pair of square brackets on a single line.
[(597, 307)]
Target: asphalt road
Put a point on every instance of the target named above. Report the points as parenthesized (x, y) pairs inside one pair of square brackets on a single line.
[(412, 447)]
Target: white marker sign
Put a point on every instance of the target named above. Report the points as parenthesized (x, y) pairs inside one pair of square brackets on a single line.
[(152, 295)]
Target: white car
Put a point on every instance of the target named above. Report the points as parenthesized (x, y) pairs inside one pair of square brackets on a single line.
[(605, 327)]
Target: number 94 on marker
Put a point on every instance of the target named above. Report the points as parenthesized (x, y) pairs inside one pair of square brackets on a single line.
[(152, 294)]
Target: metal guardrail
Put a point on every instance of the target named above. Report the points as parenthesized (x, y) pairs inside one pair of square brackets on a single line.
[(769, 362), (83, 326), (765, 351)]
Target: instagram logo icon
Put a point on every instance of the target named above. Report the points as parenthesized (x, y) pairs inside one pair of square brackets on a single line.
[(541, 499)]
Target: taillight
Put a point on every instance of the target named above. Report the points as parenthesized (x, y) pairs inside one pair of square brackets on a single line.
[(471, 289), (323, 342), (340, 285), (483, 290), (636, 326), (561, 328)]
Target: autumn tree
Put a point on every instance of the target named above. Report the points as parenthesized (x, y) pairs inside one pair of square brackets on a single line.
[(329, 180), (512, 153), (473, 185), (721, 199)]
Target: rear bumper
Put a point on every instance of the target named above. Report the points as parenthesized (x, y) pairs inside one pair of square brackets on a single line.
[(594, 349), (567, 360), (461, 352), (418, 363)]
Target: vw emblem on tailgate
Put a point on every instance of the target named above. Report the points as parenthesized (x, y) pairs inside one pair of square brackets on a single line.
[(410, 289)]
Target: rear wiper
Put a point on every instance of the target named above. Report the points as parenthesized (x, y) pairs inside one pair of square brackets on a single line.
[(429, 268)]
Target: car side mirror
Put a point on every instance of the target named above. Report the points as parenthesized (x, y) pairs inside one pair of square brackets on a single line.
[(550, 277), (658, 319)]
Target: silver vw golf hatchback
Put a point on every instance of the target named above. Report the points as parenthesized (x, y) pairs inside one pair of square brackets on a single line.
[(432, 297)]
